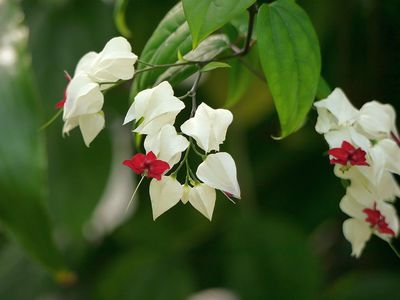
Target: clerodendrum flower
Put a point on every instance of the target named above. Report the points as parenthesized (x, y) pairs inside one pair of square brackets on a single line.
[(364, 147), (83, 99), (167, 144), (202, 197), (377, 218), (155, 108), (148, 165), (219, 171), (208, 126), (164, 194)]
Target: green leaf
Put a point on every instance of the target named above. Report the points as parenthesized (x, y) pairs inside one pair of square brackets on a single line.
[(290, 58), (22, 152), (240, 78), (206, 16), (119, 18), (214, 65), (171, 34), (208, 49)]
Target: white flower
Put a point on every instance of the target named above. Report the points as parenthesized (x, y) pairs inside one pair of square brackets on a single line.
[(377, 120), (201, 197), (167, 145), (334, 112), (385, 155), (164, 194), (116, 61), (156, 106), (377, 218), (335, 138), (219, 171), (83, 108), (208, 126)]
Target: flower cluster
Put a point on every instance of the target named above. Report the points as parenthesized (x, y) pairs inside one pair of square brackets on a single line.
[(95, 72), (364, 150), (155, 111)]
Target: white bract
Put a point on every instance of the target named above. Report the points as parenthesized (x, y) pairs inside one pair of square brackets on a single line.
[(208, 126), (83, 108), (167, 145), (334, 112), (115, 62), (201, 197), (164, 194), (219, 171), (155, 108), (377, 120)]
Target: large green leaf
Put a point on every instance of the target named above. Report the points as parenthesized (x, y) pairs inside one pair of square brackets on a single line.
[(22, 154), (171, 35), (206, 16), (290, 57)]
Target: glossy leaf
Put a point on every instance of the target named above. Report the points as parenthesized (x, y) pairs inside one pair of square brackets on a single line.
[(206, 16), (170, 35), (119, 18), (22, 153), (290, 58)]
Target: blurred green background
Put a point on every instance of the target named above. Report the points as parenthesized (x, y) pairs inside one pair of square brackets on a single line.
[(282, 240)]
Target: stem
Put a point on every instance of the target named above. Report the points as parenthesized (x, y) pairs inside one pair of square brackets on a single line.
[(52, 119), (133, 195), (193, 91), (197, 151), (394, 250)]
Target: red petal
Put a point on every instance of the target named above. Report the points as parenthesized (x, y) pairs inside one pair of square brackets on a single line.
[(386, 230), (150, 157), (347, 146), (60, 104), (157, 168), (339, 153), (136, 163)]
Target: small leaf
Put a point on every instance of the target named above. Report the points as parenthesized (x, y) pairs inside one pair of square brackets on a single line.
[(290, 58), (214, 65), (206, 16), (119, 18), (180, 56)]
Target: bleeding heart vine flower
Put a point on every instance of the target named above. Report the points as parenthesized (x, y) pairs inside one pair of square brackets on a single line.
[(378, 218), (147, 165), (202, 197), (115, 62), (347, 154), (208, 127), (155, 108), (164, 194), (219, 171), (167, 145), (83, 108)]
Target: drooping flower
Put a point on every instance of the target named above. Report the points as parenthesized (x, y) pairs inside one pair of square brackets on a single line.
[(164, 194), (208, 126), (155, 108), (334, 112), (377, 218), (202, 197), (377, 120), (148, 165), (115, 62), (83, 108), (167, 145), (219, 171), (347, 154)]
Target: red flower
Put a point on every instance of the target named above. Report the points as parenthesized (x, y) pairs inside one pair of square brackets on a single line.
[(147, 164), (377, 220), (347, 153), (61, 103)]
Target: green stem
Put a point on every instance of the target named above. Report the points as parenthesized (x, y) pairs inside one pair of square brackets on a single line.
[(134, 193), (395, 250), (52, 119)]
